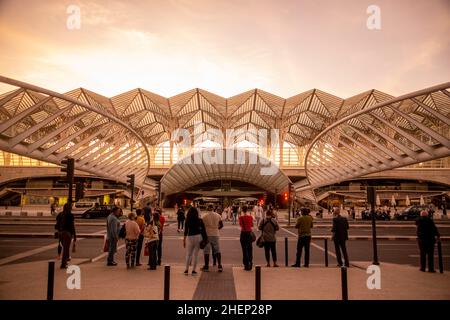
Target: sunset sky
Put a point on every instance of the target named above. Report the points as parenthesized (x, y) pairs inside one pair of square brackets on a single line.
[(226, 47)]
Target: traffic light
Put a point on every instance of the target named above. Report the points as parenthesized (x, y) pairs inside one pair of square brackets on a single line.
[(286, 196), (79, 191), (68, 166)]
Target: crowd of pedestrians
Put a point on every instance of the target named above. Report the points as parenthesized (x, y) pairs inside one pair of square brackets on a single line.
[(143, 230)]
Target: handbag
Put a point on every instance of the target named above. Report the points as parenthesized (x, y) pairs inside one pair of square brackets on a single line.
[(146, 250), (203, 244), (260, 241), (253, 235), (123, 232)]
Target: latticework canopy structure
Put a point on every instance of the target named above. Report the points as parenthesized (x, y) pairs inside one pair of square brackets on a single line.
[(113, 137), (409, 129)]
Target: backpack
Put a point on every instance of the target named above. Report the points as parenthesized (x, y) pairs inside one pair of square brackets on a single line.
[(123, 232)]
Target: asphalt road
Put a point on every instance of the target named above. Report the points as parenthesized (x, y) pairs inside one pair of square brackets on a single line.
[(25, 249)]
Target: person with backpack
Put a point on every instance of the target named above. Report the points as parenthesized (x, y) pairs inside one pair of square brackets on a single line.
[(269, 226), (304, 224), (180, 218), (65, 224), (151, 239)]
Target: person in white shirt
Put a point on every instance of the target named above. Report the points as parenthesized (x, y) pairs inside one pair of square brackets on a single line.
[(213, 223), (258, 213)]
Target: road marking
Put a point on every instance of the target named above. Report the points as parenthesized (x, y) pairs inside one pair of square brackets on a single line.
[(27, 254), (313, 244), (397, 244), (104, 254), (34, 251), (418, 256)]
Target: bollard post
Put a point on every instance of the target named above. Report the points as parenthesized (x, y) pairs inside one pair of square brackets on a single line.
[(258, 283), (344, 283), (326, 251), (50, 279), (441, 265), (166, 282), (286, 251)]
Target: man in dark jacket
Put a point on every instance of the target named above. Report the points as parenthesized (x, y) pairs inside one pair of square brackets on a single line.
[(340, 235), (65, 224), (147, 213), (426, 236)]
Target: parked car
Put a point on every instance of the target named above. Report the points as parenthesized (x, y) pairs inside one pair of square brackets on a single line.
[(411, 213), (82, 206), (98, 211)]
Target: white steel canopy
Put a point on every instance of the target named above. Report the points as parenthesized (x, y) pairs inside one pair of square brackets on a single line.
[(110, 137), (226, 164), (406, 130), (48, 126)]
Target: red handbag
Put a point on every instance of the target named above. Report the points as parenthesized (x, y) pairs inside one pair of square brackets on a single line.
[(146, 250)]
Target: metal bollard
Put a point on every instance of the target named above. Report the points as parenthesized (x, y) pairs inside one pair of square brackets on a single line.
[(441, 264), (286, 252), (166, 282), (344, 283), (326, 251), (50, 279), (258, 283)]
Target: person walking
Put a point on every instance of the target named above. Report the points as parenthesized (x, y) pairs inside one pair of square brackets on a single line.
[(258, 211), (141, 223), (52, 208), (194, 232), (269, 226), (151, 238), (65, 223), (340, 236), (112, 234), (213, 223), (180, 219), (235, 209), (427, 233), (303, 224), (132, 232), (162, 220), (246, 238)]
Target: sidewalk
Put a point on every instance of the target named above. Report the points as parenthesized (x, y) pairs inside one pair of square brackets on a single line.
[(29, 281)]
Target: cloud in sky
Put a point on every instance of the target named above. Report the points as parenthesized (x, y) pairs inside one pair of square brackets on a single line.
[(227, 47)]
